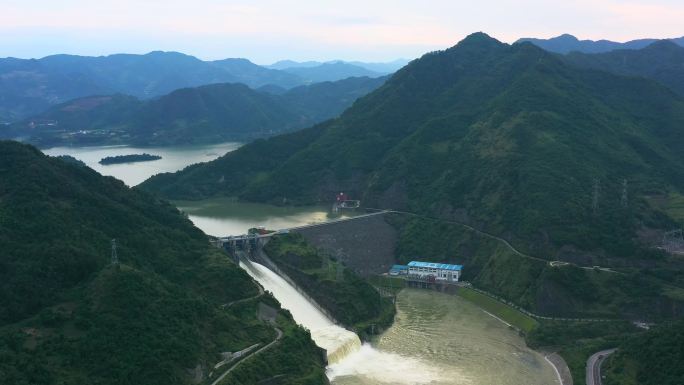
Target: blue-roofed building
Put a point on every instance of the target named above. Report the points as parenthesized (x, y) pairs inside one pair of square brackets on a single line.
[(443, 272), (399, 270)]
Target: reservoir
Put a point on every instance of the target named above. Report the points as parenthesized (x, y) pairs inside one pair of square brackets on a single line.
[(226, 216), (173, 158)]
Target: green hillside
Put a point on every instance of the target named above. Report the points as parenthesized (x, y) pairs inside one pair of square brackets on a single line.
[(651, 358), (68, 316), (218, 112), (506, 138)]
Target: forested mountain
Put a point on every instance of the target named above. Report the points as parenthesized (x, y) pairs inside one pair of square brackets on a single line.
[(506, 138), (567, 43), (31, 86), (69, 316), (662, 61), (217, 112)]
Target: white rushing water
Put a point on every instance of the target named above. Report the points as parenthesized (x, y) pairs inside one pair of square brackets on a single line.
[(346, 355)]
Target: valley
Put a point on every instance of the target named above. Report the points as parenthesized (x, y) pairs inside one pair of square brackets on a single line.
[(492, 210)]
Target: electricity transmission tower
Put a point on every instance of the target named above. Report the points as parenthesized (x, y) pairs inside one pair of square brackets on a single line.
[(595, 195), (115, 258), (624, 202)]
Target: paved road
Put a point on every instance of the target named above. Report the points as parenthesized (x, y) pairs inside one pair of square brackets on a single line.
[(278, 337), (594, 366)]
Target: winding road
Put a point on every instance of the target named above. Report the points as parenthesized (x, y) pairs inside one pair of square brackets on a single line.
[(594, 366), (222, 376)]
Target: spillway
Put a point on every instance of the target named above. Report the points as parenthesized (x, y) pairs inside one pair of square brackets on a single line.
[(348, 359), (337, 341)]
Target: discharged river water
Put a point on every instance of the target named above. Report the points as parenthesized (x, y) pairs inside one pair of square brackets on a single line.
[(436, 338)]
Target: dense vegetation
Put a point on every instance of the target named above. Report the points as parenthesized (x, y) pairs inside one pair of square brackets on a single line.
[(129, 158), (68, 316), (646, 293), (506, 138), (204, 114), (351, 300), (651, 358), (577, 341)]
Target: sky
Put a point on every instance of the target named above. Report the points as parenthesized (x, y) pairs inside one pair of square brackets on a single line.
[(265, 31)]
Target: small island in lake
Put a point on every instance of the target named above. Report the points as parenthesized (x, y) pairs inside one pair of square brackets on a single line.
[(128, 158)]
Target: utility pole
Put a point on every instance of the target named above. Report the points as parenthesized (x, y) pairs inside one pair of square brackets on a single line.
[(595, 195), (115, 258), (624, 199)]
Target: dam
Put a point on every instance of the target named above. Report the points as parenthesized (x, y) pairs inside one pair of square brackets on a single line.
[(436, 338)]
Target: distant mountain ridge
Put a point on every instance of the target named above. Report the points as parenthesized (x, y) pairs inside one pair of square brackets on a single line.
[(662, 61), (31, 86), (331, 71), (381, 67), (567, 43), (217, 112)]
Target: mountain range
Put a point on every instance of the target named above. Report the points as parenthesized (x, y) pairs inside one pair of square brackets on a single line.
[(31, 86), (507, 138), (568, 43), (217, 112)]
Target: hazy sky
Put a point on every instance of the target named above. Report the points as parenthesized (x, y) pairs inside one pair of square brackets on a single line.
[(267, 30)]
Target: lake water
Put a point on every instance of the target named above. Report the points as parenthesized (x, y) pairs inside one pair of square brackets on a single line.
[(173, 159), (226, 216)]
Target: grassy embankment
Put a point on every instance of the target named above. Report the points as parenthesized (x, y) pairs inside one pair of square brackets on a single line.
[(350, 299), (499, 309)]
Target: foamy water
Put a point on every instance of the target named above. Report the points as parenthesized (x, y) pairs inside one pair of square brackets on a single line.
[(371, 365), (337, 341), (346, 356)]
